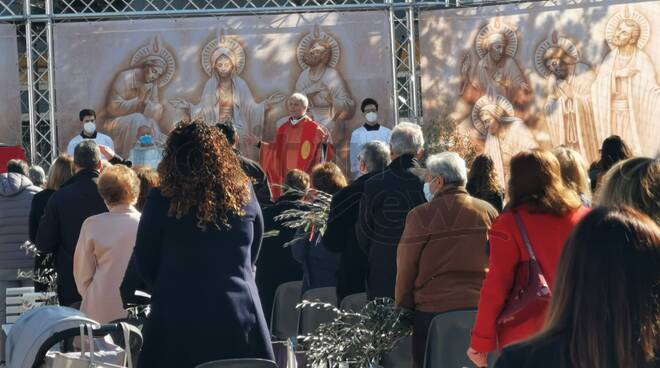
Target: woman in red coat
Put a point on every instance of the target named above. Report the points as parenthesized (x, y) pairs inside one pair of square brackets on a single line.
[(549, 212)]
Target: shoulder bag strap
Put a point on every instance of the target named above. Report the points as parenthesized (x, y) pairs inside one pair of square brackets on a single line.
[(525, 236)]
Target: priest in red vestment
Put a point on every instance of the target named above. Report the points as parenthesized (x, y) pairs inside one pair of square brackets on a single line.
[(300, 143)]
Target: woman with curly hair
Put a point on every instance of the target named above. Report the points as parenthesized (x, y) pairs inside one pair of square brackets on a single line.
[(482, 182), (197, 240)]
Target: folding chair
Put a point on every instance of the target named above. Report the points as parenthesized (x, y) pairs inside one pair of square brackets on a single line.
[(312, 318), (354, 302), (448, 340), (284, 317), (400, 356), (239, 363)]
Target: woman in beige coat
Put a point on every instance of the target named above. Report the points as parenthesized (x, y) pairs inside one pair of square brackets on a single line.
[(105, 246)]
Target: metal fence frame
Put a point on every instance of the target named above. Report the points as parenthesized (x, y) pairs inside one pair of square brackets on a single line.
[(35, 20)]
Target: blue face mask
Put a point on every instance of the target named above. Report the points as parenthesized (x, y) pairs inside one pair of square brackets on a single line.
[(146, 140), (427, 192)]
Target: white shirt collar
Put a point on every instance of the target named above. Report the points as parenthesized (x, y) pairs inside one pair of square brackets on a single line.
[(296, 121)]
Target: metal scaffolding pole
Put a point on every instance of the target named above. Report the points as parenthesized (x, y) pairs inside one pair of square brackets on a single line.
[(30, 82), (395, 98), (51, 82), (412, 59)]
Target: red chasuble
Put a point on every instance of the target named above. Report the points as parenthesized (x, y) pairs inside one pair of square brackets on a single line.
[(299, 146)]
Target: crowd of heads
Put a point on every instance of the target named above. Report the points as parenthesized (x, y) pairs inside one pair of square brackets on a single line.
[(612, 256)]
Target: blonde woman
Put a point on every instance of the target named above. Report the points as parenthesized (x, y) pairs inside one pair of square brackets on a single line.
[(60, 172), (105, 245), (574, 172), (634, 183)]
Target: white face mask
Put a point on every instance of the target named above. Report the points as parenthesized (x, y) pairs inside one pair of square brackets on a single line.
[(372, 117), (89, 127), (427, 192)]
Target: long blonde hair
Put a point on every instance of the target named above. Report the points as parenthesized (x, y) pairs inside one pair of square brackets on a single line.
[(60, 172), (573, 170), (635, 183)]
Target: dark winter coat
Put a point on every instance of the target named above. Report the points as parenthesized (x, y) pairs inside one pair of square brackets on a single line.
[(340, 237), (205, 304), (60, 226), (276, 265), (388, 197)]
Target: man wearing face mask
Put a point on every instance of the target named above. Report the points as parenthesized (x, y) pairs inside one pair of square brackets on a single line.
[(370, 131), (88, 121), (441, 263), (146, 152)]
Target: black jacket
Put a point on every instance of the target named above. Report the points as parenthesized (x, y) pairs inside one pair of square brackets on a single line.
[(340, 237), (551, 352), (548, 352), (388, 197), (259, 180), (60, 226), (275, 264), (37, 209)]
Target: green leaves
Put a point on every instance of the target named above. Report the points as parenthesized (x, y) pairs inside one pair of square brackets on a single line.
[(360, 337), (313, 217)]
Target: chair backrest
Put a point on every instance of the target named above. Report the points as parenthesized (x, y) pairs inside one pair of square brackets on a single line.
[(400, 356), (20, 300), (284, 317), (312, 318), (239, 363), (448, 339), (354, 302)]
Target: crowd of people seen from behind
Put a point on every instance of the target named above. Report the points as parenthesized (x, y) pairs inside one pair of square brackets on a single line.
[(432, 232)]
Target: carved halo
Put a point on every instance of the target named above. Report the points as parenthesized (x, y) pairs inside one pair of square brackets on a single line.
[(308, 41), (156, 51), (613, 24), (562, 42), (237, 54), (496, 27), (489, 100)]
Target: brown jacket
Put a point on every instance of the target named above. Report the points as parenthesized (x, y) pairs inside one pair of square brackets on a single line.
[(441, 258)]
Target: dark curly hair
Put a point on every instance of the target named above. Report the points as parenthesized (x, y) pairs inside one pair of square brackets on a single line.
[(199, 169), (482, 178)]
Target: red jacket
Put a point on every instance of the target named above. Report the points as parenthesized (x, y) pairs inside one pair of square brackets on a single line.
[(548, 234)]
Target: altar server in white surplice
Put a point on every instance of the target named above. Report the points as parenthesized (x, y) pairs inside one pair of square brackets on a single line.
[(370, 131)]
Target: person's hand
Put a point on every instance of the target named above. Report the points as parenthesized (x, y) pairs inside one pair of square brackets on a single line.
[(525, 87), (180, 103), (144, 92), (479, 359), (107, 152), (251, 139), (274, 99)]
